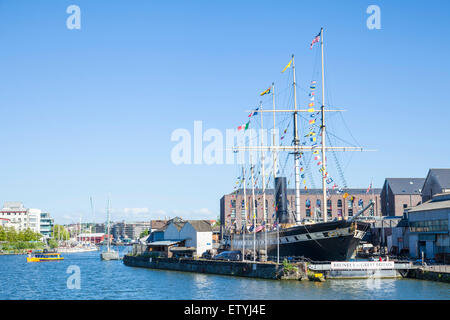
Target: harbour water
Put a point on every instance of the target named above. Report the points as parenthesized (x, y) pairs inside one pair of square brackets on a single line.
[(20, 280)]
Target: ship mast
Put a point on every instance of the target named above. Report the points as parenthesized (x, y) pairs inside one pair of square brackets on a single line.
[(274, 155), (244, 224), (263, 181), (253, 202), (296, 154), (324, 159)]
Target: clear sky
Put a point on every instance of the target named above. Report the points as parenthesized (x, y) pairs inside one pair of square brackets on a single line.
[(90, 112)]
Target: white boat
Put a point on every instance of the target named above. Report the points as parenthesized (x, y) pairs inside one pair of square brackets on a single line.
[(109, 254), (76, 249)]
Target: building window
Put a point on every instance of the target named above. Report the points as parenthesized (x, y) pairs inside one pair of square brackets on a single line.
[(339, 203), (350, 212), (318, 203), (428, 225), (361, 203), (308, 213)]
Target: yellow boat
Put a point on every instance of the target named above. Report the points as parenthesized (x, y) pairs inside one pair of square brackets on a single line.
[(38, 257)]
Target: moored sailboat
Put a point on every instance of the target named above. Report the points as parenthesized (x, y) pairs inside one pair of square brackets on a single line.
[(109, 254)]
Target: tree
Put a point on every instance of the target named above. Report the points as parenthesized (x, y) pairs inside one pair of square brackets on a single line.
[(29, 235), (60, 233), (11, 235), (217, 223), (2, 234), (144, 233), (53, 243)]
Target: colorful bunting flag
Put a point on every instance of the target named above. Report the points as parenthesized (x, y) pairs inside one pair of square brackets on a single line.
[(287, 66), (244, 126), (265, 92), (315, 40)]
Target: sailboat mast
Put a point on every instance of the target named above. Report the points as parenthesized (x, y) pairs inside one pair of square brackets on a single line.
[(324, 159), (107, 222), (296, 154), (93, 219)]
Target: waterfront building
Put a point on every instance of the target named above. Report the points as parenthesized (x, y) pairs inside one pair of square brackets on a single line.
[(99, 228), (94, 238), (398, 194), (21, 218), (46, 224), (193, 233), (131, 230), (429, 228), (339, 205), (436, 182), (157, 228)]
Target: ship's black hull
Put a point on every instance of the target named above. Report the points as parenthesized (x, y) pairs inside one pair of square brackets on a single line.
[(329, 241)]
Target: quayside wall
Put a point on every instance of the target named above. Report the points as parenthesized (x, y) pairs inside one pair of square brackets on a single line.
[(231, 268), (431, 275)]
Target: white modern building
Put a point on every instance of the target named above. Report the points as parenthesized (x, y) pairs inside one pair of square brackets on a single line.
[(19, 217)]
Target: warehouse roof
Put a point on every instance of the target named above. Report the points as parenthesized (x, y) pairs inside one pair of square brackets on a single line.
[(201, 225), (441, 176), (405, 185), (439, 201)]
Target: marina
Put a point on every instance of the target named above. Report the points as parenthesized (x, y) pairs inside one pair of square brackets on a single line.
[(114, 280)]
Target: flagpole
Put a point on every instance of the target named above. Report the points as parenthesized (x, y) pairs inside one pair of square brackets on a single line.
[(296, 154), (324, 160)]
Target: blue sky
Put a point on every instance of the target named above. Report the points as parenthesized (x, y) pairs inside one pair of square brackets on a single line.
[(90, 112)]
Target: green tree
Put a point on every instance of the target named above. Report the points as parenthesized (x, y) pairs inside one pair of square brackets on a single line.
[(217, 223), (11, 235), (29, 235), (2, 234), (60, 233), (53, 243), (144, 233)]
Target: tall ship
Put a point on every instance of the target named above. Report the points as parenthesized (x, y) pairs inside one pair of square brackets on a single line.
[(319, 238)]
